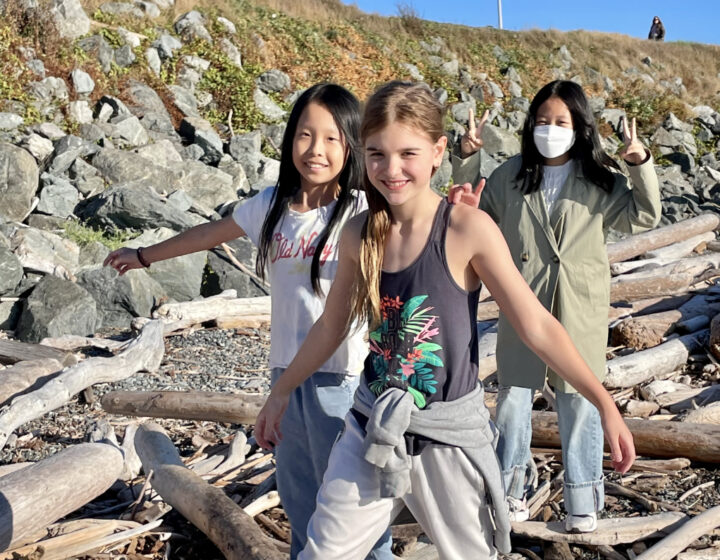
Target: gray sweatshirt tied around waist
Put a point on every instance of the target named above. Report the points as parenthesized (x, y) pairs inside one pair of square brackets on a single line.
[(464, 423)]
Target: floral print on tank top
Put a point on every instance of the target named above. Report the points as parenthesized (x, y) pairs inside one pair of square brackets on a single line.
[(402, 351)]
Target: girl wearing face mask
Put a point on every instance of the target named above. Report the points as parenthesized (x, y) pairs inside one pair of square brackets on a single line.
[(554, 204)]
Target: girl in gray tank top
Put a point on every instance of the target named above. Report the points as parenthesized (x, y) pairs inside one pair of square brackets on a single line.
[(412, 266)]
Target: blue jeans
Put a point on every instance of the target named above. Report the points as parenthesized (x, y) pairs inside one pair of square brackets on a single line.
[(314, 419), (581, 437)]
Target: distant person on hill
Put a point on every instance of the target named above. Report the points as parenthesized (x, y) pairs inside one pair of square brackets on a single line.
[(657, 30)]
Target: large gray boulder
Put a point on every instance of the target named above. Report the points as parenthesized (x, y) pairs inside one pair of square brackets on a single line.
[(202, 133), (120, 298), (269, 109), (18, 182), (209, 186), (499, 142), (11, 271), (222, 274), (118, 166), (58, 197), (135, 205), (146, 104), (70, 18), (36, 248), (245, 149), (181, 277), (57, 307)]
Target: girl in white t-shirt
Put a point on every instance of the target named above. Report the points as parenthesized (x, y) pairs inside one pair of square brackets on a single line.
[(296, 227)]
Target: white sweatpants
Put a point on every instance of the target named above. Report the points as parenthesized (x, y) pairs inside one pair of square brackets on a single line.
[(447, 499)]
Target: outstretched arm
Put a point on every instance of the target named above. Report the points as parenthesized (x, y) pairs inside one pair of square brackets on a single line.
[(199, 238), (324, 338), (543, 334)]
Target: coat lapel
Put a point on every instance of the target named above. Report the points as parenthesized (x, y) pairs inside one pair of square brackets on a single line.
[(537, 206)]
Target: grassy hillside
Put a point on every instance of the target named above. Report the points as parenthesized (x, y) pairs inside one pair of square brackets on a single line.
[(314, 40)]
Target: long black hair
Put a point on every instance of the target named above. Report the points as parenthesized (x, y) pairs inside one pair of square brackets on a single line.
[(345, 109), (587, 149)]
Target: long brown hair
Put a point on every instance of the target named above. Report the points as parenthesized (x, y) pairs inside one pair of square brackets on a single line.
[(414, 105)]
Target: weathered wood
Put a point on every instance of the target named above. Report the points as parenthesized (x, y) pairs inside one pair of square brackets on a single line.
[(192, 405), (70, 342), (23, 375), (13, 351), (619, 310), (630, 370), (641, 409), (649, 330), (664, 255), (709, 414), (636, 245), (143, 353), (715, 336), (231, 529), (681, 538), (609, 531), (688, 397), (697, 442), (72, 538), (696, 243), (178, 316), (81, 542), (42, 493)]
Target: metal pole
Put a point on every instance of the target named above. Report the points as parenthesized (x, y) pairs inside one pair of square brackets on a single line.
[(500, 14)]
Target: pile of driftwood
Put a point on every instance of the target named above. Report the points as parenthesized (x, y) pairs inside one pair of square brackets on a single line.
[(663, 370)]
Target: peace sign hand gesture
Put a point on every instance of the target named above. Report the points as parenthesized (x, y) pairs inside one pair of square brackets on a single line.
[(471, 141), (633, 152)]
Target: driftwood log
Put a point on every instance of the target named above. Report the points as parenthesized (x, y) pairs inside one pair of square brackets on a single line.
[(619, 310), (231, 529), (636, 245), (672, 279), (38, 495), (630, 370), (679, 540), (23, 375), (709, 414), (664, 255), (193, 405), (224, 307), (13, 351), (609, 532), (649, 330), (143, 353), (697, 442)]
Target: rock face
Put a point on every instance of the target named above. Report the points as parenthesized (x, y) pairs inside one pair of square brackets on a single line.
[(18, 182), (70, 18), (57, 307)]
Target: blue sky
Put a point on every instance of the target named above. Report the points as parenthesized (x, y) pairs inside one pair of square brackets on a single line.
[(684, 20)]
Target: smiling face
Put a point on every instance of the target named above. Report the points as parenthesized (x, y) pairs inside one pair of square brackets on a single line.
[(400, 161), (319, 149)]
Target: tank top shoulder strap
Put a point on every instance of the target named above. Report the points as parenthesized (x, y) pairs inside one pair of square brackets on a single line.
[(441, 221)]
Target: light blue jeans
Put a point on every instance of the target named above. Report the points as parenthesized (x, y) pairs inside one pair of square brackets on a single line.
[(581, 437), (312, 422)]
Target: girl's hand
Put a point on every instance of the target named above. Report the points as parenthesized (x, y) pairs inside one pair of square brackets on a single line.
[(465, 194), (122, 260), (267, 426), (471, 141), (633, 152), (622, 448)]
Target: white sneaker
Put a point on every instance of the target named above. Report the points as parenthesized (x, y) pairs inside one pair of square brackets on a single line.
[(581, 523), (518, 509)]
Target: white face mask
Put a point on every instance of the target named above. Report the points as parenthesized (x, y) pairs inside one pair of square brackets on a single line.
[(553, 141)]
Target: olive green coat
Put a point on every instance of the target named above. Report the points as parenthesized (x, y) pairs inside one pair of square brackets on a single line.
[(562, 257)]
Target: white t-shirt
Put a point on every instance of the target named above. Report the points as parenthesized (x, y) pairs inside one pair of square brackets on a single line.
[(554, 177), (295, 307)]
